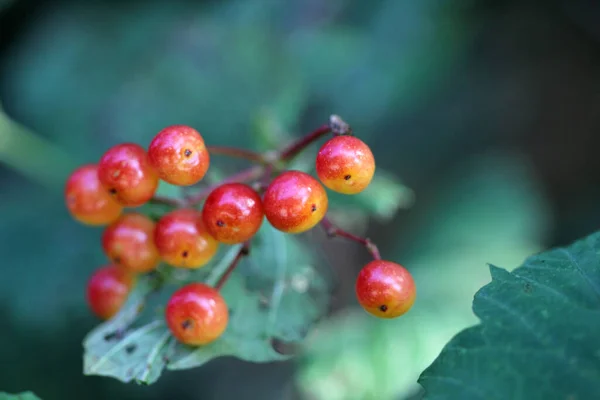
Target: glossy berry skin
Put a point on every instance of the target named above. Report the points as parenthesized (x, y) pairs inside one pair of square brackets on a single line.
[(179, 155), (129, 243), (345, 164), (183, 241), (233, 213), (295, 202), (87, 200), (107, 290), (385, 289), (197, 314), (125, 172)]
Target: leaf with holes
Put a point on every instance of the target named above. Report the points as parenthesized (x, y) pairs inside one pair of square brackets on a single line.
[(128, 354), (274, 296), (539, 336)]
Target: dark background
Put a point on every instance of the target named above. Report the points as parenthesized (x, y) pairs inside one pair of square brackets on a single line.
[(488, 110)]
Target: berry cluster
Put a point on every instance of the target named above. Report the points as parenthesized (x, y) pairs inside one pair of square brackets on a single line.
[(127, 176)]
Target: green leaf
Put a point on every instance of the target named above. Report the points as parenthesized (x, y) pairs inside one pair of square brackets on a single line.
[(115, 350), (274, 296), (538, 336), (18, 396), (382, 199)]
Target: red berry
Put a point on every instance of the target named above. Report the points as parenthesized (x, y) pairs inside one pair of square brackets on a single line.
[(233, 213), (125, 171), (179, 155), (108, 289), (87, 200), (345, 164), (295, 202), (385, 289), (129, 243), (197, 314), (183, 241)]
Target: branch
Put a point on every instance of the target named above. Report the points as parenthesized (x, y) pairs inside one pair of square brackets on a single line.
[(246, 175), (244, 251), (237, 153), (333, 231)]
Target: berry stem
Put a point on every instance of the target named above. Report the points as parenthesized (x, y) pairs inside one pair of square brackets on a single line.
[(336, 125), (167, 201), (246, 175), (333, 231), (237, 153), (244, 251), (295, 148)]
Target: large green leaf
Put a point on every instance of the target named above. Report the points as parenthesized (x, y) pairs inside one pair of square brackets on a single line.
[(274, 296), (18, 396), (538, 337)]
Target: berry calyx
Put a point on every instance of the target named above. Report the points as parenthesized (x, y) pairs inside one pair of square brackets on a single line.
[(183, 240), (87, 200), (179, 155), (107, 290), (233, 213), (197, 314), (129, 243), (345, 164), (385, 289), (295, 202), (125, 172)]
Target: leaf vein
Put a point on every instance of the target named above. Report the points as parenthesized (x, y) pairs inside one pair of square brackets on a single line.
[(509, 310), (581, 272)]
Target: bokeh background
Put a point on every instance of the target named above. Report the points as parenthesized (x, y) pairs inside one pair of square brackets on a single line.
[(488, 110)]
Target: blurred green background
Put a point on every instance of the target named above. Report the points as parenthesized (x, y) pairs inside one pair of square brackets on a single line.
[(488, 110)]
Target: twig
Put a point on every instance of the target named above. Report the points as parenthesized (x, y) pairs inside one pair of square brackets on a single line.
[(237, 153), (333, 231), (167, 201), (244, 251), (246, 175), (292, 150)]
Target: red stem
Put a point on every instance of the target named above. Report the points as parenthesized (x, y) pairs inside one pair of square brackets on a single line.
[(292, 150), (334, 231), (237, 153), (245, 175), (244, 251), (167, 201)]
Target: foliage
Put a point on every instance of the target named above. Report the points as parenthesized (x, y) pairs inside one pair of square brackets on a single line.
[(538, 336)]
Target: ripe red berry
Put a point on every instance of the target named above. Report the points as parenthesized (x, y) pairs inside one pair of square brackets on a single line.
[(233, 213), (183, 241), (108, 289), (197, 314), (125, 171), (87, 200), (179, 155), (345, 164), (295, 202), (129, 243), (385, 289)]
